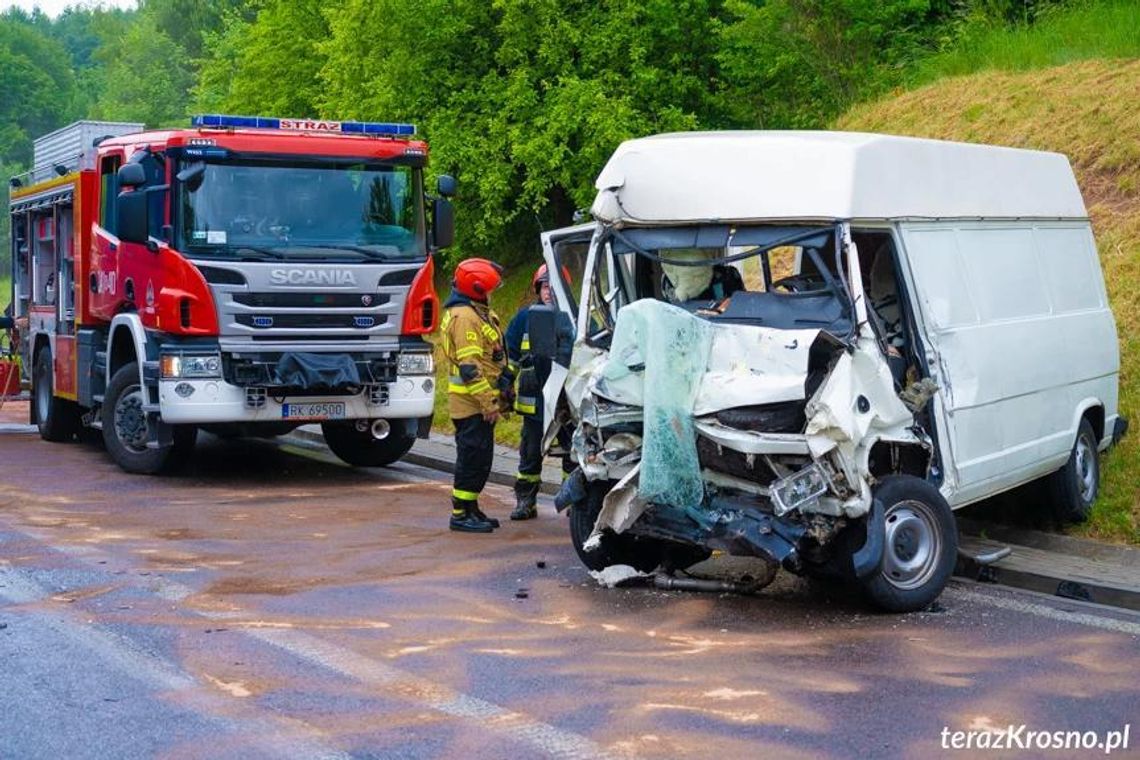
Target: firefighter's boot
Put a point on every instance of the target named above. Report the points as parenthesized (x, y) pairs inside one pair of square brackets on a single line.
[(526, 497), (466, 517), (483, 516)]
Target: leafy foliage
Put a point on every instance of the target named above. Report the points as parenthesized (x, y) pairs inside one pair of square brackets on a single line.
[(265, 67), (37, 86)]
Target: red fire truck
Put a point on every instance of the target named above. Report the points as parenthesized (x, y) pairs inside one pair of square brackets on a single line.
[(244, 276)]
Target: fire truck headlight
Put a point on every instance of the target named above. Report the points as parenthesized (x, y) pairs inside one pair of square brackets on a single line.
[(415, 364), (175, 366)]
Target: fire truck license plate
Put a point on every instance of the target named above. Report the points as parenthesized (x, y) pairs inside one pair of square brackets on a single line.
[(321, 410)]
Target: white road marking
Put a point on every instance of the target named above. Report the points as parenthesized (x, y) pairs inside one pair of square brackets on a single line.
[(544, 738), (285, 738), (1041, 610), (547, 739)]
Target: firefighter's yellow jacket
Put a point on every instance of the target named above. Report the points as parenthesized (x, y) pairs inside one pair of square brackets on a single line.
[(473, 342)]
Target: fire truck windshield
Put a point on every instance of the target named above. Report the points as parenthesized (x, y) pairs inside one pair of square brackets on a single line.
[(299, 210)]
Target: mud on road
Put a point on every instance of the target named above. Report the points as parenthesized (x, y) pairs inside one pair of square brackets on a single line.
[(298, 607)]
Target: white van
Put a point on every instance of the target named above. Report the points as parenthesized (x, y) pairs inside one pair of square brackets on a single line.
[(811, 346)]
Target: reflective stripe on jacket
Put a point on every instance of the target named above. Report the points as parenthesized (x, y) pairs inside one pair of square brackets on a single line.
[(472, 339)]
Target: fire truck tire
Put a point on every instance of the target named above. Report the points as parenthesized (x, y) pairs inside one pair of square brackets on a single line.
[(125, 428), (360, 449), (57, 418)]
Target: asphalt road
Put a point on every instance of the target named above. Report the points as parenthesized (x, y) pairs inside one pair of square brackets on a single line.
[(269, 602)]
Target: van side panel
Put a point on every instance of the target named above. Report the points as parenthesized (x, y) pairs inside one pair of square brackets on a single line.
[(1017, 319)]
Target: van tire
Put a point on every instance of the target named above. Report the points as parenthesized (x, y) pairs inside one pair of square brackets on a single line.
[(360, 449), (56, 418), (920, 546), (1072, 489), (642, 554), (125, 440)]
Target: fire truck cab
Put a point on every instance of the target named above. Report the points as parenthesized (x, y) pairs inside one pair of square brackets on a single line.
[(244, 276)]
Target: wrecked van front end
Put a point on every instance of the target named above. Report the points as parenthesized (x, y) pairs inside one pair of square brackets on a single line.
[(727, 393)]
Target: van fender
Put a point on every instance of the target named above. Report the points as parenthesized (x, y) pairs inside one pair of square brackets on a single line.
[(132, 324), (1082, 408)]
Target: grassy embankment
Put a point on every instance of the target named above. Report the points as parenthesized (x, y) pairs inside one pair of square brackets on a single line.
[(1089, 112)]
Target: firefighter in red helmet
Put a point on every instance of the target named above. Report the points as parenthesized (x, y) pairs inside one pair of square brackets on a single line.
[(479, 386), (531, 372)]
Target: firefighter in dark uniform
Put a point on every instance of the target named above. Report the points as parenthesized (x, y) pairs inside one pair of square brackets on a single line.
[(532, 373), (479, 386)]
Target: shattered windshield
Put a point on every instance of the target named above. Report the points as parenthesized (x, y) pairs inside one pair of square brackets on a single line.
[(273, 210), (777, 276)]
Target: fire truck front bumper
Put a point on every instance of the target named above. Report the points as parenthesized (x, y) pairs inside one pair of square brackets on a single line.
[(199, 401)]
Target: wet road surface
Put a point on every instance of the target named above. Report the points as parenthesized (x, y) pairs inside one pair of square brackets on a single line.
[(269, 602)]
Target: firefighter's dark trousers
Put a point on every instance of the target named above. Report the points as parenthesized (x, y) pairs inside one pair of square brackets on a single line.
[(530, 450), (474, 452)]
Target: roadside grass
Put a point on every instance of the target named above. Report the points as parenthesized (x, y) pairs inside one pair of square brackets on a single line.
[(5, 299), (1087, 111), (1095, 29), (514, 293)]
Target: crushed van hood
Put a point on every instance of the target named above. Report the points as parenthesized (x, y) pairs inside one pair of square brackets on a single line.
[(675, 372), (745, 364)]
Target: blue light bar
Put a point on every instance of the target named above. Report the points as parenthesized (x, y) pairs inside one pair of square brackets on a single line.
[(222, 121)]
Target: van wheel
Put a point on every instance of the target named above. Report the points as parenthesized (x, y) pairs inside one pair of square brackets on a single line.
[(126, 430), (1073, 488), (643, 554), (57, 418), (360, 449), (920, 546)]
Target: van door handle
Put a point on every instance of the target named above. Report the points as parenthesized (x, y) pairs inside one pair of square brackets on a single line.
[(112, 247)]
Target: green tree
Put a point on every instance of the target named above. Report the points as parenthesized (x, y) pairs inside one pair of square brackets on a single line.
[(190, 23), (144, 77), (798, 63), (523, 100), (266, 66), (37, 87)]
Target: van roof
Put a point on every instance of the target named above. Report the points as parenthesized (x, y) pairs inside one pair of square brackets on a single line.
[(741, 176)]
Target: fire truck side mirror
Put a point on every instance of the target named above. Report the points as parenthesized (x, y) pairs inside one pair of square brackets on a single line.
[(445, 185), (132, 175), (443, 223), (131, 216)]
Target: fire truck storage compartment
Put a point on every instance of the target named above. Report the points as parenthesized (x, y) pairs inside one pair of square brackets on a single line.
[(43, 257)]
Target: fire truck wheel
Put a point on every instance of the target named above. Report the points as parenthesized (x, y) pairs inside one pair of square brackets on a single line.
[(125, 427), (57, 418), (360, 448)]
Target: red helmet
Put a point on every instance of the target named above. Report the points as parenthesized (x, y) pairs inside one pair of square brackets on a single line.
[(542, 275), (476, 278)]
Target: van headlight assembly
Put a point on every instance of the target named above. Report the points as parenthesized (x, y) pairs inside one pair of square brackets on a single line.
[(798, 489), (200, 366), (419, 363)]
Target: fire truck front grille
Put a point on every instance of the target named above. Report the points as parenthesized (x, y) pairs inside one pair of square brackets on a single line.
[(303, 321), (311, 300), (266, 308)]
